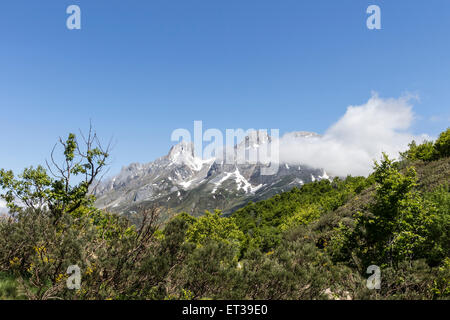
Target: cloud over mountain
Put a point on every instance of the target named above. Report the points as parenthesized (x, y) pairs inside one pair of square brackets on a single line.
[(351, 144)]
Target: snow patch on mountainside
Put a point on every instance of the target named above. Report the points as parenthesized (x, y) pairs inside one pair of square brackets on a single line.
[(183, 154), (240, 181), (186, 184), (243, 184), (324, 176), (224, 178), (182, 170)]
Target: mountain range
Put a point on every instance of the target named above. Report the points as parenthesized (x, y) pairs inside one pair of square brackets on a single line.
[(182, 182)]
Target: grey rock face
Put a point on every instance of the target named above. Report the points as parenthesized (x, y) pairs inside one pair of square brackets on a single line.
[(180, 181)]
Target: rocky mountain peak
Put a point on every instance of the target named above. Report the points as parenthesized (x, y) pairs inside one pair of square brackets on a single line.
[(255, 138), (180, 181), (184, 149), (258, 136)]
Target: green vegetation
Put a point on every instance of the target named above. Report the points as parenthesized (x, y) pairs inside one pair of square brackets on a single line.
[(315, 242), (428, 151), (264, 222)]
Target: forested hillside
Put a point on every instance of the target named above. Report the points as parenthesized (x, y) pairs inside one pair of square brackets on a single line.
[(313, 242)]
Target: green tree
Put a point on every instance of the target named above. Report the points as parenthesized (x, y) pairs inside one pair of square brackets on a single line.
[(439, 243), (442, 145), (58, 192), (424, 151), (397, 224), (212, 226)]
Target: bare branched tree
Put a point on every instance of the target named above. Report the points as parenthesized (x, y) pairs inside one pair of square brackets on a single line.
[(85, 161)]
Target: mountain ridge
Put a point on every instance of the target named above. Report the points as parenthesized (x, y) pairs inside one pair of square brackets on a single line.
[(181, 181)]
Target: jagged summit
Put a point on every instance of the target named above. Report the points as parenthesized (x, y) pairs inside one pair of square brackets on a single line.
[(183, 148), (256, 138), (183, 154), (180, 181)]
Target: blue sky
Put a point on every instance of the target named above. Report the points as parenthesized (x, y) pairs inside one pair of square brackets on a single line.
[(140, 69)]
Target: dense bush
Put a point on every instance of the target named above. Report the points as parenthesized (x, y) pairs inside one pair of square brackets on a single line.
[(315, 242), (428, 150), (397, 225), (264, 222)]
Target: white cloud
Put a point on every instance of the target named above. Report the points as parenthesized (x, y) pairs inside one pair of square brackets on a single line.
[(351, 144)]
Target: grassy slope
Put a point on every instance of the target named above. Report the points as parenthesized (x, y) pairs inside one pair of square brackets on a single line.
[(430, 175)]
